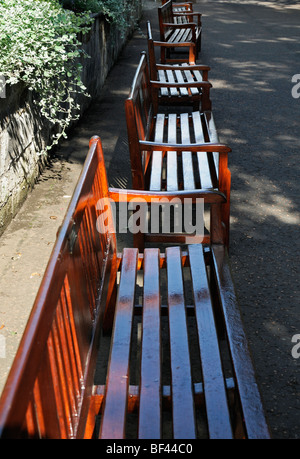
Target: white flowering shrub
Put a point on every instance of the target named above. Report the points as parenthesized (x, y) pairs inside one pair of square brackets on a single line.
[(39, 46)]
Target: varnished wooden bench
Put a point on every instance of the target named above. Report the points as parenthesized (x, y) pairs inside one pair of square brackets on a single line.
[(171, 151), (188, 375), (184, 82), (176, 28), (180, 11)]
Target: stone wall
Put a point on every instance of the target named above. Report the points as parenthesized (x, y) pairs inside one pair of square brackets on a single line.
[(23, 133)]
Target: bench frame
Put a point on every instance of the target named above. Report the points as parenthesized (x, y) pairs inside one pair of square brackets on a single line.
[(148, 149), (176, 32), (50, 391), (187, 73)]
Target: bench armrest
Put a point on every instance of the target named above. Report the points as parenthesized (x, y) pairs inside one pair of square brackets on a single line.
[(187, 25), (171, 45), (125, 195), (189, 4), (194, 147), (186, 67), (187, 84), (191, 67), (190, 14)]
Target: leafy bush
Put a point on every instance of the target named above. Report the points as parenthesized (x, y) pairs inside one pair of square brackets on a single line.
[(117, 12), (82, 5), (39, 46)]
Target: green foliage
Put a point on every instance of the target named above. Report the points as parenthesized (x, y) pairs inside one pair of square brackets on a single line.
[(117, 12), (81, 5), (39, 46)]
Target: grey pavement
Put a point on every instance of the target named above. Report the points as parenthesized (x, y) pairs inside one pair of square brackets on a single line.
[(253, 50)]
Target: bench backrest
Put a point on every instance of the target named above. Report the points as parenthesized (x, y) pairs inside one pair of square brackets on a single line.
[(51, 379), (179, 10), (139, 111), (151, 53), (165, 16)]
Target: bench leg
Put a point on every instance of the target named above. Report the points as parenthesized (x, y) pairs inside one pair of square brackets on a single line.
[(206, 102), (224, 186), (110, 287), (217, 232), (199, 42), (139, 241), (226, 222)]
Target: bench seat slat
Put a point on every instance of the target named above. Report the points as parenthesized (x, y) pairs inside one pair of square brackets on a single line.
[(187, 161), (180, 79), (177, 35), (171, 79), (254, 418), (218, 416), (189, 128), (162, 77), (212, 130), (192, 77), (204, 170), (114, 415), (157, 156), (179, 76), (182, 387), (150, 416), (172, 172)]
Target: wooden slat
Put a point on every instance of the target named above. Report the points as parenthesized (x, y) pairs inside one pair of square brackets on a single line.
[(217, 411), (180, 79), (63, 429), (204, 171), (162, 77), (157, 156), (171, 79), (213, 136), (134, 397), (191, 77), (114, 414), (48, 412), (172, 173), (187, 161), (150, 416), (182, 390), (40, 417), (251, 403)]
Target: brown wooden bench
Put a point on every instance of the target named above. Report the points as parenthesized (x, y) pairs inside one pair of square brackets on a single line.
[(175, 30), (190, 76), (171, 151), (187, 376), (181, 10)]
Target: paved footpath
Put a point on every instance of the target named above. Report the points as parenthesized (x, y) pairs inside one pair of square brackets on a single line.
[(253, 50)]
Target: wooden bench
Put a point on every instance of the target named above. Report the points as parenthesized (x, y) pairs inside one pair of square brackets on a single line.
[(181, 11), (191, 76), (176, 31), (171, 151), (186, 377)]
